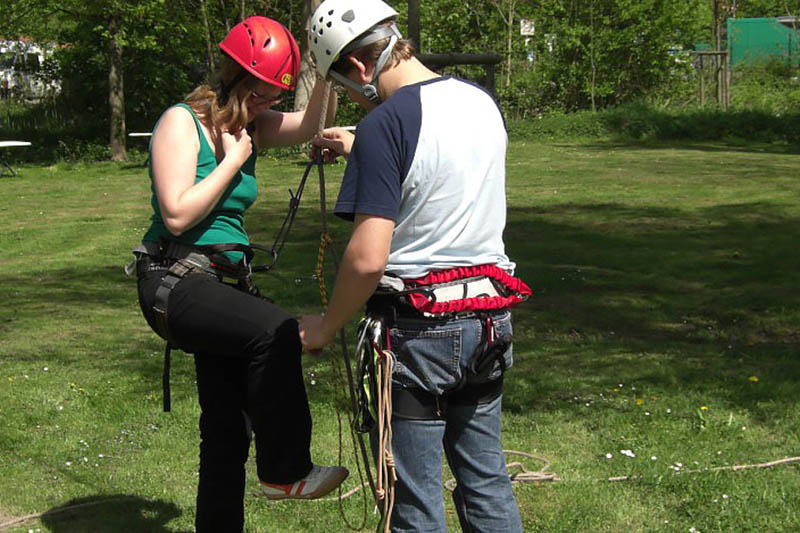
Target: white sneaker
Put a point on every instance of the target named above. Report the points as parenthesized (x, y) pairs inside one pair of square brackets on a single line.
[(319, 482)]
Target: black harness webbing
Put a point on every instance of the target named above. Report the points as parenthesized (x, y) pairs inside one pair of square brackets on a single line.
[(417, 404), (210, 259)]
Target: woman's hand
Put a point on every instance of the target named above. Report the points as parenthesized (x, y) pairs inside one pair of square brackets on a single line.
[(237, 146)]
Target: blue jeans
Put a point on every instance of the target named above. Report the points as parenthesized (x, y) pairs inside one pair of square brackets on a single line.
[(434, 356)]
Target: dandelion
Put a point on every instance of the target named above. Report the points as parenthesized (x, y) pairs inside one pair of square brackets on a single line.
[(628, 453), (653, 458), (68, 463), (639, 401), (754, 379), (669, 411), (704, 408), (724, 496), (647, 413), (47, 368), (609, 456)]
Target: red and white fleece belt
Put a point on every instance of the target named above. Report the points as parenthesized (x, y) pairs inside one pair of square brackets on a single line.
[(464, 289)]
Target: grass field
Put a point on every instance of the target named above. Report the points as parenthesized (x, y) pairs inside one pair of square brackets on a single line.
[(661, 344)]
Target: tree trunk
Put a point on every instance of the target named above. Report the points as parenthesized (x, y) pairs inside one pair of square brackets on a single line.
[(224, 12), (210, 44), (592, 57), (116, 96), (510, 40), (305, 81), (413, 24)]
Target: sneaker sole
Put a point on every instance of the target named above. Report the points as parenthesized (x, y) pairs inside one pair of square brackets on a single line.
[(321, 491)]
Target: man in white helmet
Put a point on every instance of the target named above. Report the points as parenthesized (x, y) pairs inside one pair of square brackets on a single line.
[(425, 187)]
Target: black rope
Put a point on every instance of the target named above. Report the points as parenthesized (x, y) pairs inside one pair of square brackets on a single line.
[(283, 233)]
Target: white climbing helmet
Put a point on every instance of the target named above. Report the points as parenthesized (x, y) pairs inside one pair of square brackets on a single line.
[(340, 26)]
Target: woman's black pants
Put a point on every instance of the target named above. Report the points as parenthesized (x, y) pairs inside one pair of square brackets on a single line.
[(247, 356)]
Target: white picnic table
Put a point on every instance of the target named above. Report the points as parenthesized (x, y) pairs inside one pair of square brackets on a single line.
[(10, 144)]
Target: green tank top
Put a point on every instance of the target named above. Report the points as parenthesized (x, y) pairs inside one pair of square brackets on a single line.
[(225, 223)]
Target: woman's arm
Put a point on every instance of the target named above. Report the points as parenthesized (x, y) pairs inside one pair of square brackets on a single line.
[(174, 151), (274, 128)]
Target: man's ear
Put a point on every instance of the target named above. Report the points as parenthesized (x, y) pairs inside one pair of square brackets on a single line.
[(364, 72)]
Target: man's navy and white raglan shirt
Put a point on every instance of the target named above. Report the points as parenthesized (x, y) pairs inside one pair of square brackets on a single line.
[(432, 158)]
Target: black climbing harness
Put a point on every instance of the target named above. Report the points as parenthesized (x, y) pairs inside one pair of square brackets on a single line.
[(210, 259)]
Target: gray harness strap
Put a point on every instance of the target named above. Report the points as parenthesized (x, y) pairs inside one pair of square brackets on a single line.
[(187, 262), (192, 263)]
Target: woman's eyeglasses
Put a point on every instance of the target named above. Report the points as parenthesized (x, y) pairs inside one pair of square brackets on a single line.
[(258, 98)]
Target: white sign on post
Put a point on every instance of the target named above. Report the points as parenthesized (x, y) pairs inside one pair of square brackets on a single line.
[(526, 27)]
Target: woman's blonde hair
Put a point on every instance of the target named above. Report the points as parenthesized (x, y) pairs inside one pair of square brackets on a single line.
[(224, 105)]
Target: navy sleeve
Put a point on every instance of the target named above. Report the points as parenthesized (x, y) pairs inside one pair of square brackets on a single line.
[(380, 158)]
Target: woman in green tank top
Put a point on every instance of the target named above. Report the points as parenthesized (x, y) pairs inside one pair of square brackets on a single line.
[(247, 350)]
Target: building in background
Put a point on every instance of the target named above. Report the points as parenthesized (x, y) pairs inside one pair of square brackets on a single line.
[(26, 71)]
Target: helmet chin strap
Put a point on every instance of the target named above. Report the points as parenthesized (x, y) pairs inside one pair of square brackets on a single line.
[(370, 89)]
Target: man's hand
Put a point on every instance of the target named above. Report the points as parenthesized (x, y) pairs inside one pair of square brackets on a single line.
[(333, 142), (312, 336)]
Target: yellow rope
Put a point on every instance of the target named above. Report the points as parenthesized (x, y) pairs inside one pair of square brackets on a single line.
[(325, 240)]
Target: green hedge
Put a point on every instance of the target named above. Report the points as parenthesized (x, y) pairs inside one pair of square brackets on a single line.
[(642, 122)]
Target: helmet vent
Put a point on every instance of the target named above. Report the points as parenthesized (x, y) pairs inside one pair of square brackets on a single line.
[(328, 52), (330, 12), (253, 63), (348, 16), (266, 43)]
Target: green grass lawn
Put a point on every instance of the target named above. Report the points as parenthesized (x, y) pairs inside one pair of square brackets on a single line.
[(661, 343)]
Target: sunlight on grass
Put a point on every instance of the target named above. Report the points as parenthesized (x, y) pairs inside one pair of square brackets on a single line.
[(661, 343)]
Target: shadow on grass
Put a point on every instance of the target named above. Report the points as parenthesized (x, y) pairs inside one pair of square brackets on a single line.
[(113, 513), (721, 146), (689, 300)]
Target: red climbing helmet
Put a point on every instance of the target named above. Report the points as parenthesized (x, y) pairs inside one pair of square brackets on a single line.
[(266, 49)]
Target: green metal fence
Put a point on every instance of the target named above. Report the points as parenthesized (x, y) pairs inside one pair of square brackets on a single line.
[(760, 40)]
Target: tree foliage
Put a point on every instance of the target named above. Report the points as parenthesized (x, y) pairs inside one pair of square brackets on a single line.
[(585, 54)]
